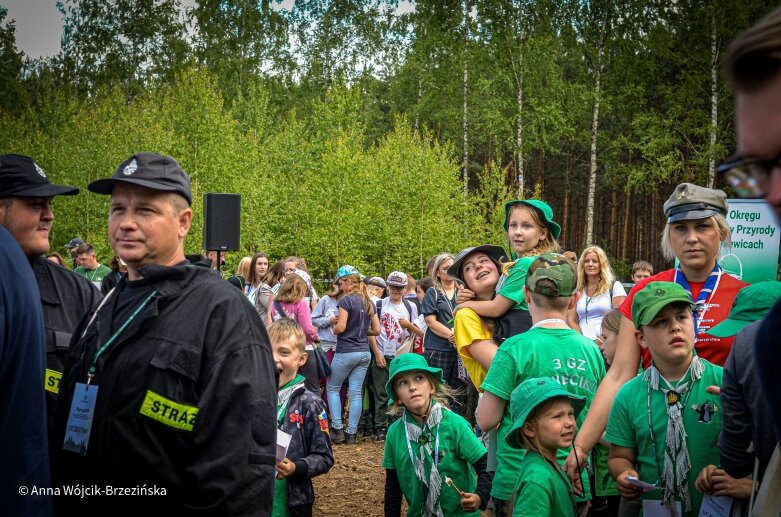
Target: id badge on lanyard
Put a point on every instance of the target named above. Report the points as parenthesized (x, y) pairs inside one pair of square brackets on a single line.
[(82, 410)]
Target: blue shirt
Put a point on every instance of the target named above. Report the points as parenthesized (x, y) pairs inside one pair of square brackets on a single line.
[(353, 339), (24, 454)]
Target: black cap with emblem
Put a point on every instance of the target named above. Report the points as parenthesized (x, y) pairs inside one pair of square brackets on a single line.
[(692, 202), (150, 170), (20, 176)]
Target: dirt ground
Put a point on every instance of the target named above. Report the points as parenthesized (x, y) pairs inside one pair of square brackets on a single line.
[(354, 486)]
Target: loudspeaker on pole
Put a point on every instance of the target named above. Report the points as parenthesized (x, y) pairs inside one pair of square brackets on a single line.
[(222, 221)]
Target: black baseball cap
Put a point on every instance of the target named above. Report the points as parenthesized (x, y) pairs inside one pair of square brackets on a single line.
[(150, 170), (20, 176), (74, 243)]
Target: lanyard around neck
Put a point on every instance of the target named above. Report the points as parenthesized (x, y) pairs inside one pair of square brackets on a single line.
[(94, 365), (547, 321)]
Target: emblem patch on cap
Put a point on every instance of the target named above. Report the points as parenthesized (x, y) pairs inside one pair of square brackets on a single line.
[(683, 194), (659, 292), (39, 170), (130, 168)]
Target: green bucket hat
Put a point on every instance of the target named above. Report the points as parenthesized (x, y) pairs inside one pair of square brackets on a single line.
[(410, 362), (555, 267), (654, 297), (541, 206), (530, 394), (751, 304)]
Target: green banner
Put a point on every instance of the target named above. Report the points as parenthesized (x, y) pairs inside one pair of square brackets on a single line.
[(753, 256)]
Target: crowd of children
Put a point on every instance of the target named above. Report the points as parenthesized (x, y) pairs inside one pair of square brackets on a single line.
[(520, 334)]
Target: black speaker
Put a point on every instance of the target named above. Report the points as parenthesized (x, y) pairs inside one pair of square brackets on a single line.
[(221, 221)]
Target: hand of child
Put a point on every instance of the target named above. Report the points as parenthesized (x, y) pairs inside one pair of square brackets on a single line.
[(405, 324), (285, 468), (380, 360), (714, 390), (724, 484), (332, 320), (470, 502), (452, 338), (703, 483), (628, 491), (464, 295)]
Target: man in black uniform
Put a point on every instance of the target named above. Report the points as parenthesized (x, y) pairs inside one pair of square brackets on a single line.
[(25, 211), (174, 367)]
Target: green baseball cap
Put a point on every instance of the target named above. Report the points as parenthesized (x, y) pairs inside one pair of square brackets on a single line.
[(751, 304), (541, 206), (410, 362), (555, 267), (654, 297), (692, 202), (530, 394)]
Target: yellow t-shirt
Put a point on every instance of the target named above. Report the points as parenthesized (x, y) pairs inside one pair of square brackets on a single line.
[(469, 328)]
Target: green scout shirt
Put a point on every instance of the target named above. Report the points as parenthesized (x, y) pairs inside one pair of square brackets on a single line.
[(93, 275), (459, 448), (563, 354), (605, 485), (627, 426), (542, 489), (512, 288), (280, 508)]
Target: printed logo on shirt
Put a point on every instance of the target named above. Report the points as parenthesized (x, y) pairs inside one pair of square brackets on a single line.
[(169, 412), (323, 418), (706, 410), (52, 381)]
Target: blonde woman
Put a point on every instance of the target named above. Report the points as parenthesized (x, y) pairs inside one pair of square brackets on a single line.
[(599, 292)]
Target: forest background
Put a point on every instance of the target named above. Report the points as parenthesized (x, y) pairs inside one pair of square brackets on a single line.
[(378, 133)]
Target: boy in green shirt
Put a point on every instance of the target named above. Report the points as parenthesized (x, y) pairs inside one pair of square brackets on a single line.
[(549, 349), (664, 425)]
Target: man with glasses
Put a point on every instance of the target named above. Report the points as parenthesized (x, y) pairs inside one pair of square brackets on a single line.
[(753, 68)]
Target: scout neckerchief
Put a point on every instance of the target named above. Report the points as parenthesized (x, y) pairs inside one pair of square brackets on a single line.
[(283, 397), (708, 290), (424, 464), (676, 452)]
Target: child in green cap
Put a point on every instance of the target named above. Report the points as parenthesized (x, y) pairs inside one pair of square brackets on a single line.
[(664, 426), (543, 415), (531, 231), (432, 457)]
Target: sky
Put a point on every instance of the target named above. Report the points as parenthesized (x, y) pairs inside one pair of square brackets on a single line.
[(39, 25)]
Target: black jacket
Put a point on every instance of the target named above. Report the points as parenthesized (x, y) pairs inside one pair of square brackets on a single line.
[(65, 297), (310, 445), (186, 401)]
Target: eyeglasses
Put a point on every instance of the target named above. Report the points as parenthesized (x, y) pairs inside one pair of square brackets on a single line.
[(748, 177)]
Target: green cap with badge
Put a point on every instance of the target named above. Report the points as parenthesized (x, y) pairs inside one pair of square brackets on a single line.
[(555, 267), (530, 394), (409, 362), (692, 202), (751, 304), (654, 297)]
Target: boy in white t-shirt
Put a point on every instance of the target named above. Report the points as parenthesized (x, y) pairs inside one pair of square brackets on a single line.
[(396, 316)]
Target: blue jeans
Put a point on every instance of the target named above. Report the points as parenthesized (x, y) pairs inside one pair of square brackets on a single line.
[(351, 366)]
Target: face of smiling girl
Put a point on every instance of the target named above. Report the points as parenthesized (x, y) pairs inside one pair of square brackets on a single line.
[(480, 274)]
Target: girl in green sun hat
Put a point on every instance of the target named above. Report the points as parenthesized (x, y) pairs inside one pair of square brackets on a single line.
[(531, 231), (432, 457)]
